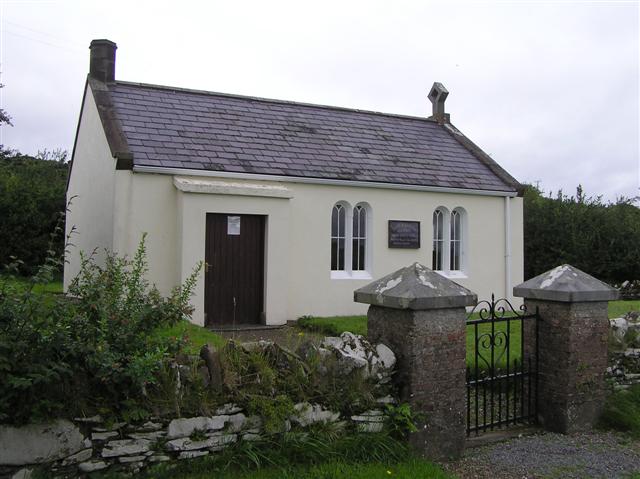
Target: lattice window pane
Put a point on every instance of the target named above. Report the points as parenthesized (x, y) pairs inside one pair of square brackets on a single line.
[(438, 240), (338, 229)]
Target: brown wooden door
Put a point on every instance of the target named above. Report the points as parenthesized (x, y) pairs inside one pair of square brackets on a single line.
[(234, 271)]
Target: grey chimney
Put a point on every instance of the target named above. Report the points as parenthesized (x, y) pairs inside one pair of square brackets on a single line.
[(438, 95), (102, 65)]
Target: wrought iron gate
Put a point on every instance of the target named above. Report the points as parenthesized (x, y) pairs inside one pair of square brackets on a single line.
[(502, 366)]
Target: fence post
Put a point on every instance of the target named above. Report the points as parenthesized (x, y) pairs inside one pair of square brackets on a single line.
[(421, 316), (573, 329)]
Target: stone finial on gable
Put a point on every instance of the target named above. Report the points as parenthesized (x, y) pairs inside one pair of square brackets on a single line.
[(415, 287), (566, 284), (438, 95)]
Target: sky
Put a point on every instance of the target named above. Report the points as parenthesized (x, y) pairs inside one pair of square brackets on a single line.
[(549, 89)]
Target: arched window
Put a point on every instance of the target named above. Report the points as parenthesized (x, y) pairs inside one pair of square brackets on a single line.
[(437, 261), (455, 238), (359, 239), (449, 240), (338, 237), (350, 241)]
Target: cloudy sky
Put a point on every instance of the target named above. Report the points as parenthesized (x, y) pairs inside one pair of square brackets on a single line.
[(549, 89)]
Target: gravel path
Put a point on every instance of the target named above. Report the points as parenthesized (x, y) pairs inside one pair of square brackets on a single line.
[(552, 456)]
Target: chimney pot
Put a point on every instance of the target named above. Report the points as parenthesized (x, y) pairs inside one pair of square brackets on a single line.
[(102, 65), (437, 96)]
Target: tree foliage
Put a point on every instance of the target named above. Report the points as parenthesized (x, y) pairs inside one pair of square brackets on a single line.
[(602, 239), (4, 116), (32, 197)]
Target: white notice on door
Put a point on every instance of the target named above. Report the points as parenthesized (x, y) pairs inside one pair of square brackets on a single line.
[(233, 225)]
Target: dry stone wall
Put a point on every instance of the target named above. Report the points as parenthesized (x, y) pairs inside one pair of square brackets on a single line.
[(78, 447), (624, 351)]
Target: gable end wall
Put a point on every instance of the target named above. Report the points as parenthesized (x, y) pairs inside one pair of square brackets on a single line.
[(90, 191)]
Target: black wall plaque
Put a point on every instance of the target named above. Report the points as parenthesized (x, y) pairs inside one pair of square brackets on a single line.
[(404, 234)]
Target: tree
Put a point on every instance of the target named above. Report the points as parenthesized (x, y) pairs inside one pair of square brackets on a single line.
[(4, 116), (32, 198), (599, 238)]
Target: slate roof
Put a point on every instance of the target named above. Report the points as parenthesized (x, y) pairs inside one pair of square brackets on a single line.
[(188, 129)]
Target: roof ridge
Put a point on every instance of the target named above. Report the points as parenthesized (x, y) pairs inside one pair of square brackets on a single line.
[(273, 100)]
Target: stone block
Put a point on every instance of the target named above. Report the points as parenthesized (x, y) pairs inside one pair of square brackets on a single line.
[(307, 414), (236, 422), (186, 444), (125, 447), (103, 436), (228, 409), (184, 427), (131, 459), (192, 454), (81, 456), (92, 466), (39, 443), (149, 426), (369, 421)]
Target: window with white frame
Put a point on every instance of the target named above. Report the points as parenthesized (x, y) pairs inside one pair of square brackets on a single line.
[(455, 241), (449, 239), (338, 237), (350, 241), (359, 241), (438, 240)]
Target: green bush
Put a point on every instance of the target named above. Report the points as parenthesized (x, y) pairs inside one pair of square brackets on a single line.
[(95, 352)]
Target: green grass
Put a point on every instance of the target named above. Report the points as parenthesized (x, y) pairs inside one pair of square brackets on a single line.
[(500, 354), (320, 452), (197, 335), (410, 469), (336, 325), (622, 412), (53, 287), (620, 308)]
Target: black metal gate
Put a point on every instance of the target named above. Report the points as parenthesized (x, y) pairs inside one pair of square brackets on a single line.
[(502, 366)]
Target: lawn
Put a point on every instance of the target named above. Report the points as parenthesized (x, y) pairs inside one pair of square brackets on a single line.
[(335, 325), (197, 335), (53, 287), (620, 308)]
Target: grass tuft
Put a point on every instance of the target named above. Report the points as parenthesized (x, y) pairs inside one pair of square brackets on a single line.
[(622, 411), (197, 336), (305, 455)]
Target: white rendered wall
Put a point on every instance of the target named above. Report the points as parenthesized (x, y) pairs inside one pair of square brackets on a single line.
[(297, 260), (90, 191)]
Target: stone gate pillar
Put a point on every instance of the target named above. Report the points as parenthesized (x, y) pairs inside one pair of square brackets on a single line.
[(421, 316), (572, 345)]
